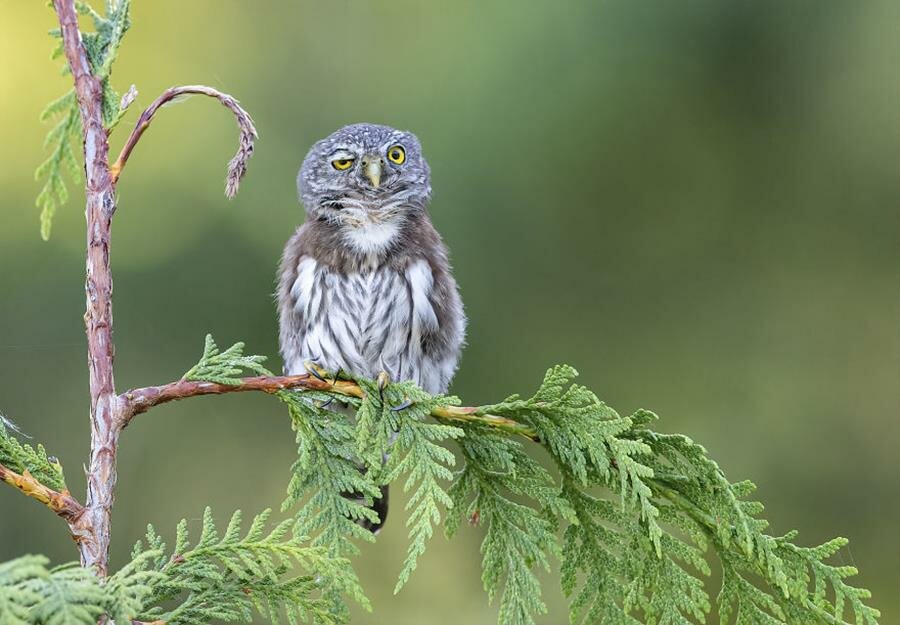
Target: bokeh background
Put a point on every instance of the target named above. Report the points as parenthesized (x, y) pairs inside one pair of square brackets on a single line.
[(694, 203)]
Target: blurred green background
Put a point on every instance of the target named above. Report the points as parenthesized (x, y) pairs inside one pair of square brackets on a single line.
[(695, 203)]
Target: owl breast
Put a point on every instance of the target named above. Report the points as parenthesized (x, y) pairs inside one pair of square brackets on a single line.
[(364, 322)]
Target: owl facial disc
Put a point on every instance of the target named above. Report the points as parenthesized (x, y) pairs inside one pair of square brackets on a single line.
[(365, 173)]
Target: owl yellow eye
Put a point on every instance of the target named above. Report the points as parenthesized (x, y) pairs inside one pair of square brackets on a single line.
[(397, 154), (342, 163)]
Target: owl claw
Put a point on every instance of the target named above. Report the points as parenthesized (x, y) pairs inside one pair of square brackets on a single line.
[(325, 404), (313, 369), (403, 406)]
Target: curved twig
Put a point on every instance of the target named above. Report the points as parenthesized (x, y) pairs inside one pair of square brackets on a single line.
[(237, 167)]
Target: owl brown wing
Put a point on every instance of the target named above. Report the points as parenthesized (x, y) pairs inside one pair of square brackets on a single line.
[(442, 342), (291, 321)]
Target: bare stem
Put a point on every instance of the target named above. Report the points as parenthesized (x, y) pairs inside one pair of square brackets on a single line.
[(99, 209), (237, 167), (141, 400)]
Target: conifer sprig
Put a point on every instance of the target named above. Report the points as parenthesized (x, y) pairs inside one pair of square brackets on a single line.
[(23, 458), (505, 490), (325, 471), (101, 46), (225, 367), (61, 140), (17, 593), (392, 425), (32, 594), (225, 577), (222, 578)]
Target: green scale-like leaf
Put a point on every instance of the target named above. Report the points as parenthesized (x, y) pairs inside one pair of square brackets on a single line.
[(392, 422), (519, 536), (225, 367), (225, 577), (23, 457), (19, 585)]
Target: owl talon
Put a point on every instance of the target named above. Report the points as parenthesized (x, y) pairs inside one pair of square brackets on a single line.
[(325, 404), (313, 369), (336, 376), (403, 406)]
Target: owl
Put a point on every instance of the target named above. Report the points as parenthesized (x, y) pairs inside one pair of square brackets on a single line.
[(365, 285)]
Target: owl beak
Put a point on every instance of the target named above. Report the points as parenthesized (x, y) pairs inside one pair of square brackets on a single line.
[(372, 170)]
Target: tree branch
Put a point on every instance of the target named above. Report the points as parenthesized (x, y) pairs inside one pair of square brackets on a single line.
[(141, 400), (62, 503), (100, 206), (237, 167), (109, 413)]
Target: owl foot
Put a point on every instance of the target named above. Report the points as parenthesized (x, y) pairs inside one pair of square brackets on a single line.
[(406, 403), (325, 404)]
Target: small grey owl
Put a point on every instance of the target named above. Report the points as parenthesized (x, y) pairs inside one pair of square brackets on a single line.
[(365, 285)]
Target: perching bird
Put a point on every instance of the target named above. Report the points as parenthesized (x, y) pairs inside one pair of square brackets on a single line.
[(365, 285)]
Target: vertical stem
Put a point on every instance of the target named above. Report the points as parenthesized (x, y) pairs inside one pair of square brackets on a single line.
[(99, 209)]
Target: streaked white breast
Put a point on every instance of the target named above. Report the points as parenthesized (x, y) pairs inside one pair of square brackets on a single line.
[(365, 322)]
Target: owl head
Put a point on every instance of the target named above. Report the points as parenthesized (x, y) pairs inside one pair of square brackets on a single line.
[(364, 173)]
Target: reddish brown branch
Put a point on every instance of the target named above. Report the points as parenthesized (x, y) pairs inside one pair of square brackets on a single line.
[(143, 399), (237, 167), (99, 209), (109, 412)]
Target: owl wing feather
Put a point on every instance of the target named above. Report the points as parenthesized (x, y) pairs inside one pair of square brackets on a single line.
[(442, 342), (292, 322)]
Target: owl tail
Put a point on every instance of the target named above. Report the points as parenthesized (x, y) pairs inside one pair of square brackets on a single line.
[(379, 506)]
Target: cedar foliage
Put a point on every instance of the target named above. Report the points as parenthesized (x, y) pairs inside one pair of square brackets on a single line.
[(636, 519), (102, 47)]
